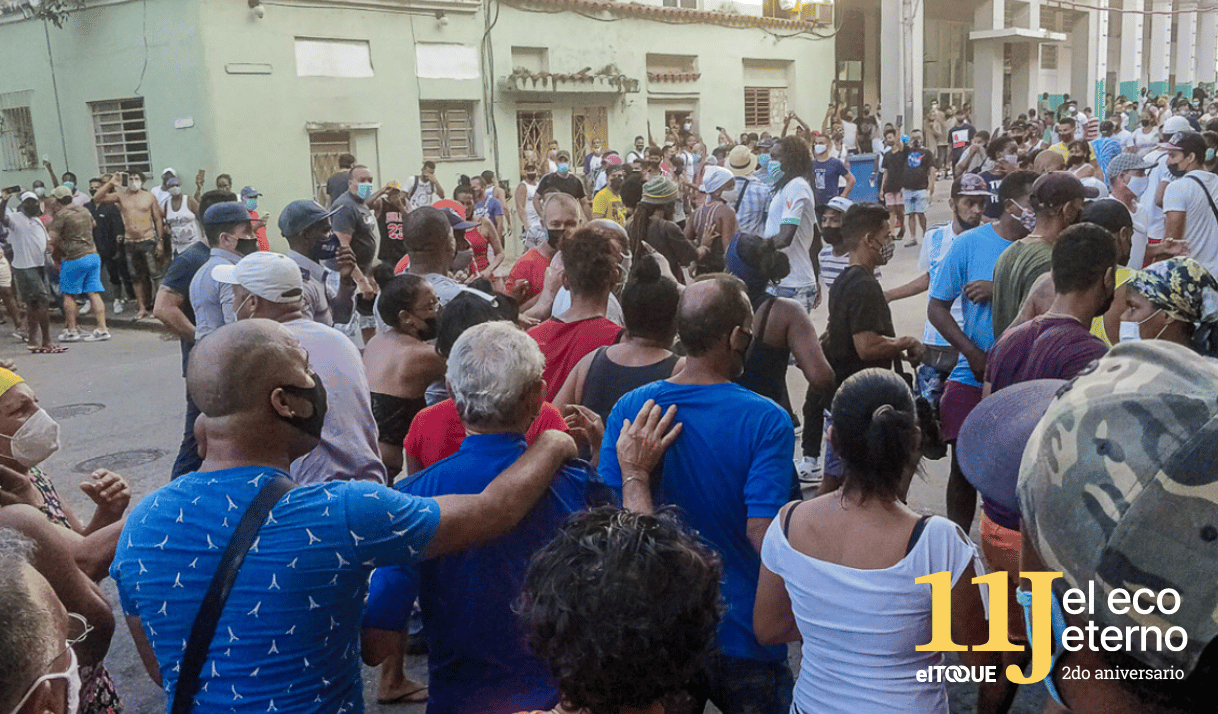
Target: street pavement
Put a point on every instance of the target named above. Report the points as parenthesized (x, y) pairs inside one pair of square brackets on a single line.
[(120, 405)]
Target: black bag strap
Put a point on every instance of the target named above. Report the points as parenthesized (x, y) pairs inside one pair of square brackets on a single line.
[(740, 196), (1208, 197), (786, 522), (916, 534), (204, 628)]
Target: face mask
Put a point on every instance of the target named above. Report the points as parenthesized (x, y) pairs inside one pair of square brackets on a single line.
[(364, 190), (832, 236), (916, 143), (615, 184), (1137, 184), (688, 126), (1175, 170), (429, 331), (316, 395), (69, 185), (820, 149), (531, 176), (30, 210), (252, 203), (887, 251), (696, 157), (775, 170), (40, 192), (35, 440), (72, 674), (1145, 122), (1026, 218), (563, 167), (763, 160), (730, 196), (1012, 159), (555, 237), (176, 191), (135, 185), (237, 311), (245, 246)]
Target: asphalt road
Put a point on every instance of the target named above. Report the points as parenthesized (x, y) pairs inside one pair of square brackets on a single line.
[(121, 407)]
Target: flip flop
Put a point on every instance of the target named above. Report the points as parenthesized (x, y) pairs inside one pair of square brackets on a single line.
[(47, 350), (411, 697)]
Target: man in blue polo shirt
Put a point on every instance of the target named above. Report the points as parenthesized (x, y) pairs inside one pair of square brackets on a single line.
[(477, 656), (968, 270), (728, 472), (287, 638), (230, 233)]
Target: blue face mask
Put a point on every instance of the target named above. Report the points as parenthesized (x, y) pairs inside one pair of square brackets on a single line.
[(564, 168), (364, 190), (763, 160), (251, 204), (69, 185), (775, 170), (696, 157), (1059, 627)]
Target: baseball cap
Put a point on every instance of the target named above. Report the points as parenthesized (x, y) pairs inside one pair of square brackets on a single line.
[(741, 161), (613, 159), (27, 195), (563, 155), (839, 203), (1101, 188), (1174, 124), (765, 144), (993, 437), (225, 212), (715, 178), (1123, 162), (1190, 142), (168, 170), (61, 192), (970, 185), (249, 192), (271, 276), (299, 215), (456, 214), (1057, 188), (1117, 486)]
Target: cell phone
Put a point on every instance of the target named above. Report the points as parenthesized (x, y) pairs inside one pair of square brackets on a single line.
[(13, 190), (122, 181)]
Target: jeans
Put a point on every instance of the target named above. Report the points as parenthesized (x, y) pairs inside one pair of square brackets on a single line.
[(188, 454), (805, 296), (743, 686)]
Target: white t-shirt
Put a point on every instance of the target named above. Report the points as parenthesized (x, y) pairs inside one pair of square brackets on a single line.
[(795, 205), (1144, 141), (1154, 177), (850, 136), (28, 236), (1124, 138), (935, 244), (1200, 223), (861, 628), (562, 303)]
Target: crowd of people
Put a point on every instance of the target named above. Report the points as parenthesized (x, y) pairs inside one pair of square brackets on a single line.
[(573, 480)]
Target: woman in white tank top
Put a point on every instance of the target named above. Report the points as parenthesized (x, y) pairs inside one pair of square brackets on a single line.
[(183, 221), (533, 234)]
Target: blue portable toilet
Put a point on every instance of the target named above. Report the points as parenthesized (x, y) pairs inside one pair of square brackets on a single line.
[(866, 171)]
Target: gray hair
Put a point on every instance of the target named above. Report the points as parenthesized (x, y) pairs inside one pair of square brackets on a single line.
[(26, 642), (489, 368)]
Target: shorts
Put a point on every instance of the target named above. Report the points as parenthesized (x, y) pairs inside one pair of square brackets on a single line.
[(32, 283), (1000, 547), (141, 260), (805, 296), (957, 402), (6, 272), (893, 200), (82, 275), (916, 201)]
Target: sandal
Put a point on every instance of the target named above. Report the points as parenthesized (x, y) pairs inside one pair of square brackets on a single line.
[(53, 350)]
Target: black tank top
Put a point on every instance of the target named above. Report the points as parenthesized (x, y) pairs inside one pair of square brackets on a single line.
[(765, 367), (607, 380)]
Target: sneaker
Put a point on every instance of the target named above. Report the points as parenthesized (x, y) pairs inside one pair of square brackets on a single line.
[(97, 336), (118, 307), (912, 242), (86, 308), (69, 336), (809, 470)]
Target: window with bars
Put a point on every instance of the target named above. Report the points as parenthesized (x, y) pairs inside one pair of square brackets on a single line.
[(687, 4), (757, 106), (17, 132), (121, 134), (448, 130), (1048, 56), (325, 148), (534, 130)]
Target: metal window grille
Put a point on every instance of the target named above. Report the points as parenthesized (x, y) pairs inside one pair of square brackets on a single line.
[(587, 124), (121, 135), (756, 106), (448, 130), (324, 149), (687, 4), (17, 132), (534, 130)]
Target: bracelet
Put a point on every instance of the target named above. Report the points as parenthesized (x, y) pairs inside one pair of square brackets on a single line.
[(629, 479)]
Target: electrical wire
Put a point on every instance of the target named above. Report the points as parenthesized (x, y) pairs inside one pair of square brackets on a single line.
[(136, 92), (55, 89)]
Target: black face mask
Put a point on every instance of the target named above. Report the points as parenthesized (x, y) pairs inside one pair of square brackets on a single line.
[(31, 210), (615, 184), (245, 246), (555, 237), (832, 236), (430, 329), (316, 396), (530, 176), (1145, 122), (1175, 170)]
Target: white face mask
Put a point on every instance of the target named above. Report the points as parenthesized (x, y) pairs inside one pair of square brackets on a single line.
[(730, 197), (36, 440), (72, 674), (820, 149), (1137, 184)]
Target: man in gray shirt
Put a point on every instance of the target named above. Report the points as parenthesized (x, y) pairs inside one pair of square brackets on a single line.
[(230, 234), (304, 224), (269, 285)]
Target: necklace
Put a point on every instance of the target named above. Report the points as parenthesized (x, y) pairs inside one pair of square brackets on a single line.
[(1062, 314)]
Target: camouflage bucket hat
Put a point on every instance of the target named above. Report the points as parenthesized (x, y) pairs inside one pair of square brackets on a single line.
[(1118, 484)]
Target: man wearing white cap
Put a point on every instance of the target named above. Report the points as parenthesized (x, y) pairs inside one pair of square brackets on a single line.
[(161, 193), (714, 223), (1150, 203), (269, 285), (28, 237)]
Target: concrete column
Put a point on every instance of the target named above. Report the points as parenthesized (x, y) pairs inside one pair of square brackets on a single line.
[(987, 85), (1024, 57), (1186, 47), (915, 51), (1099, 57), (1129, 75), (1089, 56), (901, 71), (1207, 44), (1159, 51)]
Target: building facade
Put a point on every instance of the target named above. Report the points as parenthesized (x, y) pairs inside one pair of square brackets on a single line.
[(272, 92)]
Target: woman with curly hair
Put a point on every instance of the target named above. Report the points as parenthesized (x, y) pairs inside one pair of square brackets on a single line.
[(624, 608)]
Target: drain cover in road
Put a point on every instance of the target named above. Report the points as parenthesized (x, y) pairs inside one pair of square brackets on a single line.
[(67, 411), (120, 460)]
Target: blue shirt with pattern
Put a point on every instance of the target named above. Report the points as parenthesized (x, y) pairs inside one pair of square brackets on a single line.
[(755, 203), (288, 637)]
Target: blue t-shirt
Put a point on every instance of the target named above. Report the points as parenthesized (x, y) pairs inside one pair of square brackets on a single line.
[(477, 656), (489, 208), (828, 175), (731, 462), (288, 638), (178, 277), (971, 257)]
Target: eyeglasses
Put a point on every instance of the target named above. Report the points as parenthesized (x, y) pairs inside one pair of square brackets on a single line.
[(1058, 618), (78, 629)]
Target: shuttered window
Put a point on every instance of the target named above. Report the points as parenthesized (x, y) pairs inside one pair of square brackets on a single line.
[(448, 130), (121, 135), (756, 106)]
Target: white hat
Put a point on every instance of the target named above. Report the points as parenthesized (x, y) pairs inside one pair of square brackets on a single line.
[(271, 276), (1175, 124), (29, 194), (839, 203), (169, 170), (715, 178), (1097, 184)]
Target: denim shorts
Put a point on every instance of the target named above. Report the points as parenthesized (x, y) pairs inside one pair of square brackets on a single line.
[(916, 201), (805, 296)]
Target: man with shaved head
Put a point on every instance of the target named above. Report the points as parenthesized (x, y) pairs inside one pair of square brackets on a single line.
[(727, 473), (287, 637)]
